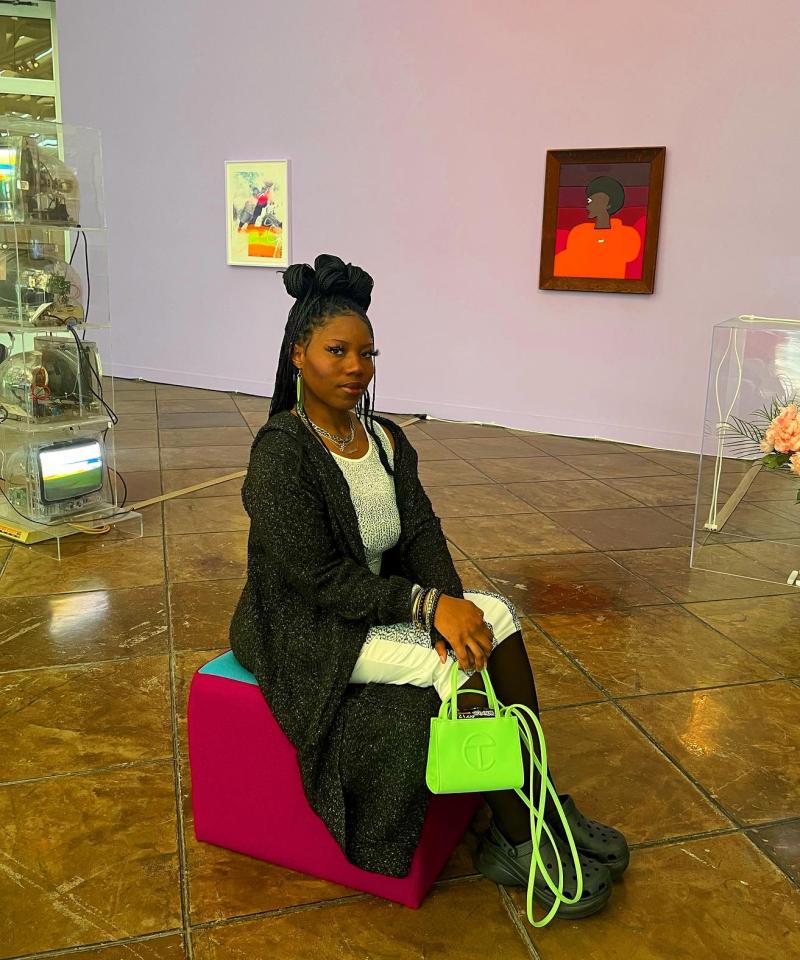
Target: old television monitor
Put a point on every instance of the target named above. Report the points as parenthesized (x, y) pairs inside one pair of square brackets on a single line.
[(69, 470)]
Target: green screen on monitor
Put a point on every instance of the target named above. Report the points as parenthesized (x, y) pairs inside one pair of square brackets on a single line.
[(70, 470)]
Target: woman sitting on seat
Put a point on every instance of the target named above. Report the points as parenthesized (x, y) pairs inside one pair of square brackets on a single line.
[(342, 539)]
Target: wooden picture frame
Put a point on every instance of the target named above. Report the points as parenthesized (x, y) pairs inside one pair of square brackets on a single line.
[(589, 248)]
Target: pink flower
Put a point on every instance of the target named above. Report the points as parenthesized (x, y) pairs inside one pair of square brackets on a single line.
[(783, 434), (794, 464)]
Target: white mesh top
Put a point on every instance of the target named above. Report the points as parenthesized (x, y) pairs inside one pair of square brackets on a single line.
[(373, 495)]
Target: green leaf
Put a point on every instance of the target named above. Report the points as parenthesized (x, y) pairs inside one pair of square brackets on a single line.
[(774, 461)]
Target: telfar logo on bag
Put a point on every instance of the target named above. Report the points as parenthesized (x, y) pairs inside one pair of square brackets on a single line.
[(480, 751)]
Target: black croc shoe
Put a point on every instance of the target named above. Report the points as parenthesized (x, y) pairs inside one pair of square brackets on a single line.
[(603, 844), (510, 863)]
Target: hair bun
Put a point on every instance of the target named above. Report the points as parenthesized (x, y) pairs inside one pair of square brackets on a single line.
[(298, 280), (333, 275)]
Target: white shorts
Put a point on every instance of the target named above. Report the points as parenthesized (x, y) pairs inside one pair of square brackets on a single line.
[(402, 653)]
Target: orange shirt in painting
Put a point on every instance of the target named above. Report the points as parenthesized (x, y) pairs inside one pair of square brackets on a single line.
[(598, 253)]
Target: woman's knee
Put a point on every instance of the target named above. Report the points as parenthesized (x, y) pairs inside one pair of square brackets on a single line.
[(506, 620)]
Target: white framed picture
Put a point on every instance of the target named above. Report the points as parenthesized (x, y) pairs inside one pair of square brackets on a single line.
[(257, 202)]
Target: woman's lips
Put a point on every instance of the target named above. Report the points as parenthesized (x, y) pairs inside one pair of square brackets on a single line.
[(355, 389)]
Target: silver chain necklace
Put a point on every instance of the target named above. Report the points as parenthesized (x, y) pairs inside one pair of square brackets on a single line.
[(341, 442)]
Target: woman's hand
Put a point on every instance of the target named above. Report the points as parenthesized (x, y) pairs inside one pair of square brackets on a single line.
[(461, 624)]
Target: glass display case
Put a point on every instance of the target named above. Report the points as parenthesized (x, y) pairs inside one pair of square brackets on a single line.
[(57, 461), (747, 514)]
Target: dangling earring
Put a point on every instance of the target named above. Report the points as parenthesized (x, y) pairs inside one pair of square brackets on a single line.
[(299, 384)]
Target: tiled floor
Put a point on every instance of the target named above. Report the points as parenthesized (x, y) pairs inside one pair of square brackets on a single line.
[(672, 709)]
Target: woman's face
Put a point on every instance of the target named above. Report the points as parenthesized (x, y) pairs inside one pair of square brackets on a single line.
[(338, 361)]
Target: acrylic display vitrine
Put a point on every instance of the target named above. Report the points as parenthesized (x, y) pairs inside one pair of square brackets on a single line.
[(57, 459), (747, 518)]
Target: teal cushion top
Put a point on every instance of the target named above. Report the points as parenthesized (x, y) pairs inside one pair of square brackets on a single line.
[(228, 666)]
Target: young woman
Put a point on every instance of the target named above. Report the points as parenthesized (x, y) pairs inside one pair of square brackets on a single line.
[(353, 613)]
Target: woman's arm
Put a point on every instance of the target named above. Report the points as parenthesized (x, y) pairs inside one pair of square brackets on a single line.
[(290, 521)]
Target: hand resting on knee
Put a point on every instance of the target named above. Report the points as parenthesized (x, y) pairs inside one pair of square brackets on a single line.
[(460, 624)]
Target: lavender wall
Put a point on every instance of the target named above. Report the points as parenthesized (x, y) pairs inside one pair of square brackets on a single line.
[(417, 134)]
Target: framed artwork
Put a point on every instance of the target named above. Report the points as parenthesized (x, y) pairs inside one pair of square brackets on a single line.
[(602, 210), (257, 204)]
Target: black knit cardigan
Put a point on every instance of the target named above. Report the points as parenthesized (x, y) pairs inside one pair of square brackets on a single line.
[(303, 616)]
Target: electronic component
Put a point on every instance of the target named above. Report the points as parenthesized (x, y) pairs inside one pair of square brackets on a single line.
[(59, 378), (35, 185), (48, 480), (37, 288)]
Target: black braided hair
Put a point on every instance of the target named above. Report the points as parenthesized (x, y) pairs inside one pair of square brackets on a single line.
[(328, 289)]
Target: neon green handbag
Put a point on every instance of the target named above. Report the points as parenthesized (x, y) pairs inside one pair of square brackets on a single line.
[(479, 754), (474, 755)]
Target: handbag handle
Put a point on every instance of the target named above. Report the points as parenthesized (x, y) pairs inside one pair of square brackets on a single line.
[(529, 724), (451, 703)]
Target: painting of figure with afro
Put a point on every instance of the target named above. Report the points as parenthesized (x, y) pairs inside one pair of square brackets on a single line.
[(599, 224)]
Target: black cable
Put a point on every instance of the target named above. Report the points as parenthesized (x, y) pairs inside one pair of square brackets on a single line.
[(75, 245), (124, 485), (83, 358)]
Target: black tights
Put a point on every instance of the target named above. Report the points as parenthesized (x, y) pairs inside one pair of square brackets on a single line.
[(512, 678)]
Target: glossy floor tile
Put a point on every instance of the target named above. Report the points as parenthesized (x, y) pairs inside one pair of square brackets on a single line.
[(741, 743), (525, 469), (478, 447), (651, 650), (570, 446), (571, 582), (619, 777), (769, 627), (185, 479), (206, 556), (630, 528), (607, 465), (108, 565), (448, 473), (97, 850), (782, 843), (711, 898), (658, 491), (201, 611), (471, 577), (380, 931), (88, 859), (81, 627), (554, 496), (67, 719), (476, 500), (668, 569), (161, 947), (559, 683), (510, 536), (205, 515), (207, 419), (227, 456)]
